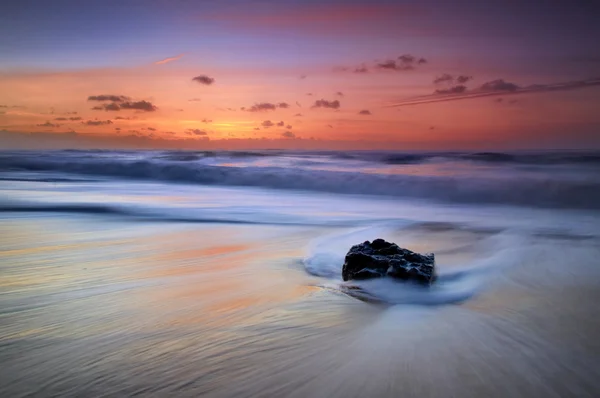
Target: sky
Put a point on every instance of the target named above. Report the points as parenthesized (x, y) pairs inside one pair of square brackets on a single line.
[(327, 74)]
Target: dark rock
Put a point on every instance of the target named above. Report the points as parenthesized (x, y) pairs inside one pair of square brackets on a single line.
[(380, 259)]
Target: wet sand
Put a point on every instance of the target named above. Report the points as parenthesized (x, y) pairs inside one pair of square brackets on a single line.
[(94, 307)]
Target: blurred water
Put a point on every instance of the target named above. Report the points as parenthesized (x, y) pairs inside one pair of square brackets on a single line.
[(112, 287)]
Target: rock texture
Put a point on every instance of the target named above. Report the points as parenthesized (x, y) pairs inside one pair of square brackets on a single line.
[(380, 259)]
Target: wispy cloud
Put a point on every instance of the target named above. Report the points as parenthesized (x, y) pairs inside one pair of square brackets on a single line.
[(170, 59), (497, 87)]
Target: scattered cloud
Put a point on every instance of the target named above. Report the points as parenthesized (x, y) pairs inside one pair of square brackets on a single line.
[(151, 129), (256, 128), (404, 62), (61, 118), (194, 100), (309, 94), (205, 120), (499, 85), (288, 134), (365, 112), (444, 78), (298, 104), (339, 94), (48, 124), (496, 88), (326, 104), (330, 126), (170, 59), (452, 90), (267, 123), (107, 97), (139, 105), (289, 127), (361, 69), (197, 132), (298, 115), (121, 103), (97, 122), (123, 118), (266, 106), (302, 77), (203, 79), (280, 124), (75, 118)]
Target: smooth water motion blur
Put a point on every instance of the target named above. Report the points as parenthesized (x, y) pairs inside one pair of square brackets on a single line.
[(187, 273)]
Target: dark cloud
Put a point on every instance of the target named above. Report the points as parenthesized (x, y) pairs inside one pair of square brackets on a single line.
[(139, 105), (404, 62), (203, 79), (361, 69), (452, 90), (61, 118), (339, 94), (365, 112), (289, 127), (48, 124), (107, 97), (499, 87), (118, 128), (326, 104), (444, 78), (262, 107), (462, 79), (267, 106), (288, 134), (205, 120), (194, 100), (123, 118), (112, 107), (267, 123), (97, 122), (280, 124), (135, 105), (75, 118), (197, 132), (151, 129)]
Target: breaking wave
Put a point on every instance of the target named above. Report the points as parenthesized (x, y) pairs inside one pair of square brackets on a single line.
[(541, 189)]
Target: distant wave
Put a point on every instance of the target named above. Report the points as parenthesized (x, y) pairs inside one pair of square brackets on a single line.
[(541, 190), (154, 215)]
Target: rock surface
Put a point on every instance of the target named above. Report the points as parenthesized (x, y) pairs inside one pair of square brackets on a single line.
[(379, 259)]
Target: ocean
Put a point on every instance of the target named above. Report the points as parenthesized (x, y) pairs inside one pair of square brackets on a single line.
[(218, 273)]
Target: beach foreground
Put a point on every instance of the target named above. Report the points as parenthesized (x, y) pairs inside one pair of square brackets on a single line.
[(124, 285)]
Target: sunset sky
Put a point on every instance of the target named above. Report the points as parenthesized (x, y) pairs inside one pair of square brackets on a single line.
[(300, 74)]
